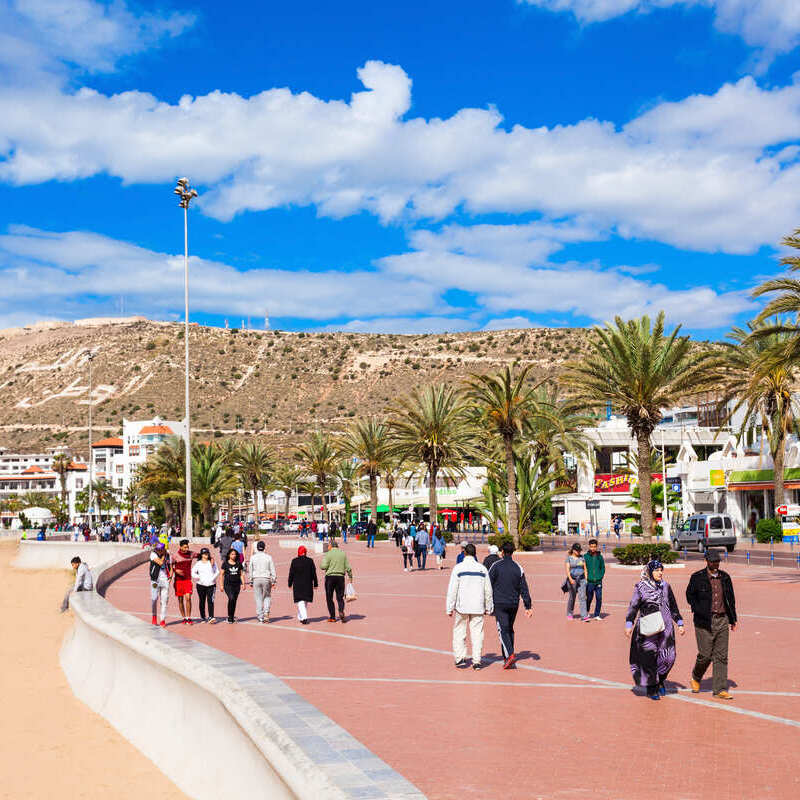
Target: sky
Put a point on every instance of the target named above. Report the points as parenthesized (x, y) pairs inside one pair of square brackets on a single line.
[(428, 167)]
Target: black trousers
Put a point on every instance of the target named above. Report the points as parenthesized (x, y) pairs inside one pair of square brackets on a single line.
[(205, 595), (334, 583), (505, 616), (232, 590)]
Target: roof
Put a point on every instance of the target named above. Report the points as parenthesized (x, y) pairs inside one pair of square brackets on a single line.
[(113, 441), (20, 476), (164, 430), (74, 465), (32, 469)]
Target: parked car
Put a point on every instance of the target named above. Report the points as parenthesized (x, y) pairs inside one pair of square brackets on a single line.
[(293, 527), (701, 531), (266, 525)]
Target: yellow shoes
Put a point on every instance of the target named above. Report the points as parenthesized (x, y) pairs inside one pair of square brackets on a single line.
[(723, 695), (695, 685)]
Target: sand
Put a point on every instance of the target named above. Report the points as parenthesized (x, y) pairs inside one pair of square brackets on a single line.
[(51, 745)]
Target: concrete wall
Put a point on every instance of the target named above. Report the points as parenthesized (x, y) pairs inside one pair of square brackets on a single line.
[(158, 688), (57, 555)]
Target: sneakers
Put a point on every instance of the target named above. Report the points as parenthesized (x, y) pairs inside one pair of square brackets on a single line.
[(655, 696), (155, 621), (462, 662), (304, 622), (163, 623), (570, 618), (695, 685), (331, 619), (662, 690), (586, 619), (597, 618), (477, 665), (724, 695), (509, 662), (342, 618)]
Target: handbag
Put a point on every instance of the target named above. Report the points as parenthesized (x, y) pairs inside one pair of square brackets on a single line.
[(651, 624), (565, 586)]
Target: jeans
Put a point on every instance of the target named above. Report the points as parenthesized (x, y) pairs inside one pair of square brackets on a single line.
[(712, 648), (334, 583), (371, 541), (232, 590), (205, 595), (594, 590), (262, 589), (460, 624), (505, 616), (422, 556), (408, 560), (579, 589)]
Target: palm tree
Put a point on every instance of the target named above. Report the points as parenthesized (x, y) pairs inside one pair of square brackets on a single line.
[(285, 478), (640, 371), (753, 374), (253, 462), (432, 427), (318, 455), (213, 479), (162, 476), (367, 440), (60, 465), (346, 476), (505, 406), (391, 474)]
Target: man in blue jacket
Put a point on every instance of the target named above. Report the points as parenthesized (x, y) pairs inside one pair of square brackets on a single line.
[(508, 586)]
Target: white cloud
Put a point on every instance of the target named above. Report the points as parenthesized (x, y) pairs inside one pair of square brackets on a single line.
[(77, 274), (712, 172), (39, 37), (509, 323), (771, 25)]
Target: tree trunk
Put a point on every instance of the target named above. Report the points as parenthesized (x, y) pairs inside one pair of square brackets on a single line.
[(645, 491), (391, 506), (433, 474), (511, 478), (288, 496), (324, 501), (347, 508), (313, 512), (254, 487), (373, 497), (778, 460)]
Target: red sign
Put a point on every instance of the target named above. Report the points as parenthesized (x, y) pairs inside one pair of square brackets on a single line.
[(612, 483), (782, 510)]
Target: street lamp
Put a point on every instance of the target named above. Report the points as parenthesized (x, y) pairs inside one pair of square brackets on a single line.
[(186, 194), (90, 358)]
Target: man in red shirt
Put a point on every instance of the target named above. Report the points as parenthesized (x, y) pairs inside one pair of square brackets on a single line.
[(182, 570)]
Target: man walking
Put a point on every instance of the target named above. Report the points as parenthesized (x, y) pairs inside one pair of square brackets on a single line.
[(182, 572), (262, 578), (710, 595), (335, 566), (372, 530), (469, 599), (422, 546), (595, 571), (493, 556), (508, 586)]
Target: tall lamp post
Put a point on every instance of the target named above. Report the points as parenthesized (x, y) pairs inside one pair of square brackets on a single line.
[(186, 194), (90, 358)]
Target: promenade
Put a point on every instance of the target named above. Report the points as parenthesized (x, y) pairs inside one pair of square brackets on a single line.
[(566, 723)]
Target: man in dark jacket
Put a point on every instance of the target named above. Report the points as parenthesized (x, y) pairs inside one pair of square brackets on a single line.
[(710, 594), (492, 557), (372, 530), (508, 585)]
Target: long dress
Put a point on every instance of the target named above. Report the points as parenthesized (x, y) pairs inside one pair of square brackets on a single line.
[(652, 657)]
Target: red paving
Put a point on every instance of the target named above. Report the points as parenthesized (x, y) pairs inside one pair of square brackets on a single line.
[(530, 732)]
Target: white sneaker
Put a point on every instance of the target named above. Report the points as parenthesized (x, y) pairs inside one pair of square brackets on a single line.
[(405, 569)]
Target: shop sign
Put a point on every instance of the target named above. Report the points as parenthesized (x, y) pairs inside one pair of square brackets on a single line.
[(612, 483), (716, 477)]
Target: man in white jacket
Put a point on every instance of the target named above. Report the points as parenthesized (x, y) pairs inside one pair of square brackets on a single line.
[(469, 599), (262, 577)]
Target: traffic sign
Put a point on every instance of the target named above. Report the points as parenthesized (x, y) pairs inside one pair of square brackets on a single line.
[(782, 510), (592, 504)]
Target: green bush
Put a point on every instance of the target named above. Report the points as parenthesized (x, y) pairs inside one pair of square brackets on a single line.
[(500, 539), (448, 537), (381, 537), (636, 530), (767, 529), (641, 553), (528, 542)]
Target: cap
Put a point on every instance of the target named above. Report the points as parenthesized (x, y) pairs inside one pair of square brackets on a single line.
[(462, 544), (713, 555), (493, 549)]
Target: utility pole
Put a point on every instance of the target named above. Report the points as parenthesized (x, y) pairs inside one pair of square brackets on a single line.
[(91, 456)]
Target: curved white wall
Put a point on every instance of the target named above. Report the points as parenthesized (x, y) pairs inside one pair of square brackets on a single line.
[(57, 555)]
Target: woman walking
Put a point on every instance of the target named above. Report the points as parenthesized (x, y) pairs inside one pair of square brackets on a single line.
[(407, 548), (575, 568), (302, 581), (204, 574), (439, 547), (232, 581), (649, 623)]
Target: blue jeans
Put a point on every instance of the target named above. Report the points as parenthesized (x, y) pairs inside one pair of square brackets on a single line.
[(594, 590), (422, 556), (370, 541)]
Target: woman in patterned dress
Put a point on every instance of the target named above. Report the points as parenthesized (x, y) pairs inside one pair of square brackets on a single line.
[(652, 657)]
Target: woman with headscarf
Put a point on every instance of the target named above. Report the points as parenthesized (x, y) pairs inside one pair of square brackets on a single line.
[(652, 653), (302, 581)]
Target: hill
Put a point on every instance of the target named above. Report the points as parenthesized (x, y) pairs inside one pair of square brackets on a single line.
[(273, 384)]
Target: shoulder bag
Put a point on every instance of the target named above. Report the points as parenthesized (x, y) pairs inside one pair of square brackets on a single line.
[(652, 623)]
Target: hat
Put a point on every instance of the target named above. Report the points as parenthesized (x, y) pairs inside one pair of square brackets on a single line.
[(713, 555), (493, 549), (301, 551), (160, 545), (462, 544), (260, 545)]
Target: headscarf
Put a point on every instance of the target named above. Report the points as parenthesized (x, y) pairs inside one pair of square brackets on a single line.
[(647, 572), (301, 551)]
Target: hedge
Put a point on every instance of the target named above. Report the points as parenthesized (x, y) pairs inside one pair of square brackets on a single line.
[(641, 553), (528, 540), (767, 529)]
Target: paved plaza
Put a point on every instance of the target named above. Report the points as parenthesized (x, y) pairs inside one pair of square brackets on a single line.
[(566, 723)]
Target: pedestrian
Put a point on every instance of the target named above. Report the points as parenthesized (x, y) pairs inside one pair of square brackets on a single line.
[(333, 530), (344, 532), (262, 578), (617, 526), (232, 581), (204, 574), (182, 579), (302, 581), (239, 544), (439, 548), (407, 549), (397, 535), (460, 556), (653, 610), (469, 599), (335, 566), (492, 557), (160, 573), (508, 587), (710, 595), (223, 543), (422, 546), (372, 530), (595, 571), (575, 568)]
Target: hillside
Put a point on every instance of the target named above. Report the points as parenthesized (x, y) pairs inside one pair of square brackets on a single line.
[(270, 383)]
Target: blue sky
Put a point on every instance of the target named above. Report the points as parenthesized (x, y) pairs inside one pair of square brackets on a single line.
[(440, 166)]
